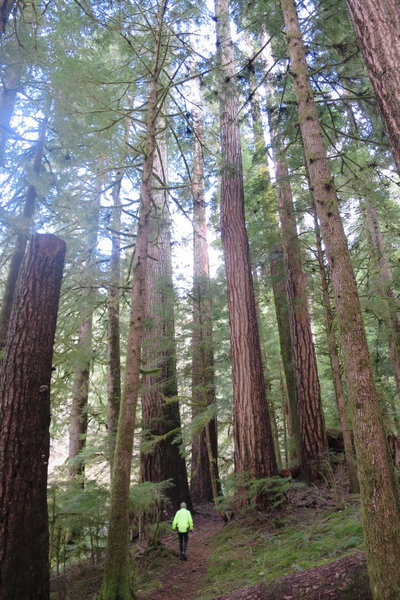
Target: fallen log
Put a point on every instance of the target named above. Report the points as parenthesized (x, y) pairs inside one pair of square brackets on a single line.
[(343, 579)]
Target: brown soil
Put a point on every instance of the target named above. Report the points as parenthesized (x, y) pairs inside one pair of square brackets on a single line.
[(183, 580)]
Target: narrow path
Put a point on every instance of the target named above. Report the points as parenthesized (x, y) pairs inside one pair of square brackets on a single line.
[(182, 580)]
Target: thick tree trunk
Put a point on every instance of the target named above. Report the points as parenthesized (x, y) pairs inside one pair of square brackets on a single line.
[(379, 495), (161, 421), (24, 423), (118, 582), (204, 480), (335, 368), (254, 448), (313, 443), (22, 236), (377, 26)]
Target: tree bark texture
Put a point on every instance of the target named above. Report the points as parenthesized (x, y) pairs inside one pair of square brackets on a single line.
[(161, 420), (354, 487), (313, 444), (277, 265), (24, 423), (22, 236), (254, 448), (204, 472), (379, 495), (377, 26), (118, 581)]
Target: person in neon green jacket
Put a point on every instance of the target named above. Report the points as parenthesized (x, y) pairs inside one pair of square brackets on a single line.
[(183, 523)]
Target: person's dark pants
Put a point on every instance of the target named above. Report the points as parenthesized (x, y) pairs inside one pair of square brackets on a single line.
[(183, 542)]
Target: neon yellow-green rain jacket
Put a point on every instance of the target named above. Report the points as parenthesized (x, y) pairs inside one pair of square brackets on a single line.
[(183, 521)]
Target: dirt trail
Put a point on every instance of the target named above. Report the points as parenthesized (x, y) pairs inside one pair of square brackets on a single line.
[(182, 580)]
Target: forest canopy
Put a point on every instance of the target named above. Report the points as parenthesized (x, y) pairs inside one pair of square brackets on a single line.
[(199, 271)]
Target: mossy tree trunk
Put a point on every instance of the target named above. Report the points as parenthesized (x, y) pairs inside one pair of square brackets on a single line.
[(379, 493), (254, 447), (336, 367), (24, 423), (118, 580)]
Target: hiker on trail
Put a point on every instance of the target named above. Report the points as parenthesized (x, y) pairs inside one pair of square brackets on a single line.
[(183, 523)]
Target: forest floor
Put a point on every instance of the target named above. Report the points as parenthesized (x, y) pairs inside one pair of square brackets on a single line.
[(183, 580), (310, 549)]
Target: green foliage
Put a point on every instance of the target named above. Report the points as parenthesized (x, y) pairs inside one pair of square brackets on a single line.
[(77, 518), (248, 553)]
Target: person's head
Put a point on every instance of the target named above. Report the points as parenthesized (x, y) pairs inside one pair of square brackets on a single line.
[(183, 504)]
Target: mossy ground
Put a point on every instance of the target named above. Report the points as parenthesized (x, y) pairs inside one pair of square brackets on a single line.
[(249, 552)]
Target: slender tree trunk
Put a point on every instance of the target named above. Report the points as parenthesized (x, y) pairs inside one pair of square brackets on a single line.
[(8, 96), (377, 26), (285, 342), (313, 442), (6, 7), (22, 236), (24, 423), (83, 350), (113, 325), (335, 368), (118, 582), (160, 407), (308, 412), (205, 479), (254, 448), (389, 296), (379, 495)]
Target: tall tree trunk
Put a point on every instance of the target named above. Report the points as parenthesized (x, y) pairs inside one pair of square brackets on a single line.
[(379, 496), (254, 448), (161, 421), (377, 26), (335, 367), (118, 581), (83, 350), (204, 480), (384, 281), (285, 341), (113, 325), (24, 423), (260, 161), (22, 236), (310, 427), (313, 442)]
